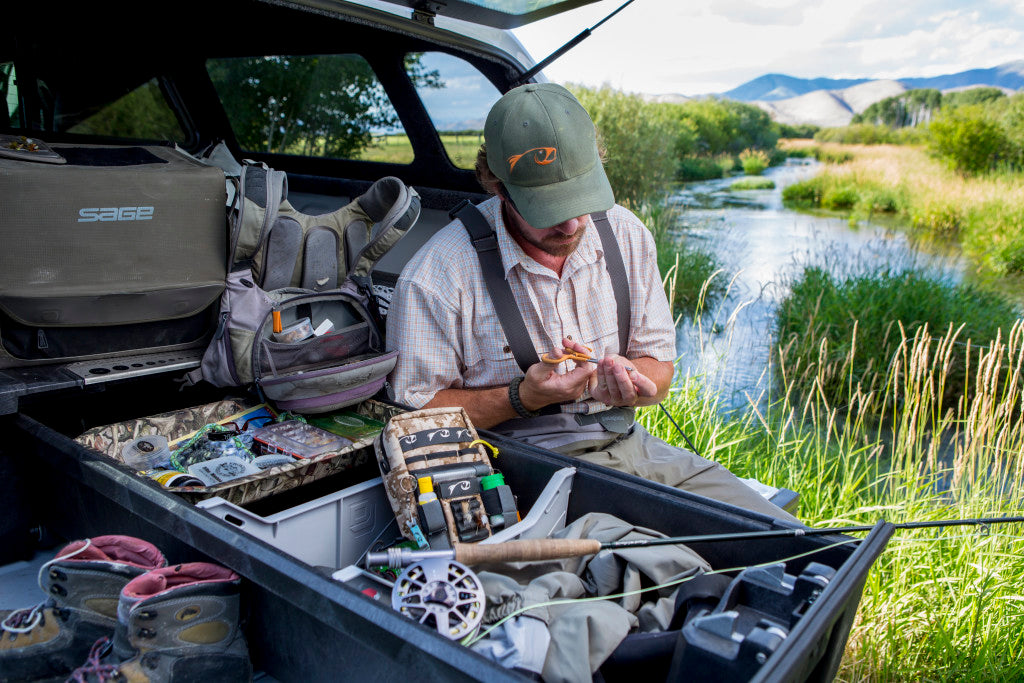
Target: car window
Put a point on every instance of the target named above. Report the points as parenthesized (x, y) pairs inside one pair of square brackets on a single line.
[(457, 97), (309, 105), (141, 114), (9, 115)]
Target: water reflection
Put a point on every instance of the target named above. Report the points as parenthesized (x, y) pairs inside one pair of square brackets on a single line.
[(763, 246)]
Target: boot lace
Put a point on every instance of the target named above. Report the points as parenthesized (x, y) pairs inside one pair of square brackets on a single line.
[(94, 665), (24, 620)]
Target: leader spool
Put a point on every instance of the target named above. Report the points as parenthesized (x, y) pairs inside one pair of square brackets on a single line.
[(442, 594), (146, 452)]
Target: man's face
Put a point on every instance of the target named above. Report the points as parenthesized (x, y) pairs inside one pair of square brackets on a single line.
[(558, 240)]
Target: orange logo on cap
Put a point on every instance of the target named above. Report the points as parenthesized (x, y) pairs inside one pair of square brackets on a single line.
[(542, 156)]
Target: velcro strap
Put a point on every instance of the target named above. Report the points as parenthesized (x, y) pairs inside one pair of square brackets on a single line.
[(412, 459), (429, 437)]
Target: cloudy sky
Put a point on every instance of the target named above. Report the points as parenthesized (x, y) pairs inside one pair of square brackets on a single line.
[(696, 47)]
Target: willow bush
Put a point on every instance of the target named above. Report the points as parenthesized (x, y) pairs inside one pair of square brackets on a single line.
[(639, 163)]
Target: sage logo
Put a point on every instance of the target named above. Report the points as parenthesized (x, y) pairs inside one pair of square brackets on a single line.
[(116, 213)]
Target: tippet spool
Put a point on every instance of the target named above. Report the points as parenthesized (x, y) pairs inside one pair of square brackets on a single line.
[(146, 452), (442, 594)]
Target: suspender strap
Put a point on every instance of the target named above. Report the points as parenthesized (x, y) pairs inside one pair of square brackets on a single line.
[(617, 271), (481, 234), (485, 241)]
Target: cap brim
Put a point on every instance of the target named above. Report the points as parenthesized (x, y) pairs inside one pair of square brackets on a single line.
[(545, 206)]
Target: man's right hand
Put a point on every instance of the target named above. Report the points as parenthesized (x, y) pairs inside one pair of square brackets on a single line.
[(542, 386)]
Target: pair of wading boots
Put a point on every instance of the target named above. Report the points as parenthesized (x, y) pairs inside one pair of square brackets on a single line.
[(116, 611)]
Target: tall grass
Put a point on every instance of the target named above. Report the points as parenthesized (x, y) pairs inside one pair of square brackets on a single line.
[(985, 215), (936, 605), (834, 330)]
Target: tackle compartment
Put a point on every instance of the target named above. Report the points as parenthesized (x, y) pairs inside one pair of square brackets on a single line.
[(74, 492)]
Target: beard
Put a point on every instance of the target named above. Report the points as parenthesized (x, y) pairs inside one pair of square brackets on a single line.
[(549, 241)]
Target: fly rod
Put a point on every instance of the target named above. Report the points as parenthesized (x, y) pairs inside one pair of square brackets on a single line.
[(556, 548)]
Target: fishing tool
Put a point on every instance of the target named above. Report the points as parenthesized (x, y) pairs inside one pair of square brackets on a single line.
[(442, 594), (569, 354)]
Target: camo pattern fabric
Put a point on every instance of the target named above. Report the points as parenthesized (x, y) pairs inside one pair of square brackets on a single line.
[(424, 432), (109, 441)]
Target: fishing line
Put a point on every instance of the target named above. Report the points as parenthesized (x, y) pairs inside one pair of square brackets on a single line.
[(675, 582)]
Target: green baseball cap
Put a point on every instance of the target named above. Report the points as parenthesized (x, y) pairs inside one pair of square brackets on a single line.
[(542, 145)]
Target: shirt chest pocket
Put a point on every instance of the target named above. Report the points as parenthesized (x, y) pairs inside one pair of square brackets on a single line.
[(599, 324), (487, 350)]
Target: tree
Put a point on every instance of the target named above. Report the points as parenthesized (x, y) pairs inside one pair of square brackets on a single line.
[(326, 105)]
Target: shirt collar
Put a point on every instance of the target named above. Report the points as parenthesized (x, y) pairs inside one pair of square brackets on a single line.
[(588, 251)]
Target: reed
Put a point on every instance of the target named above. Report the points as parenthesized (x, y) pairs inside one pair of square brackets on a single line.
[(936, 605)]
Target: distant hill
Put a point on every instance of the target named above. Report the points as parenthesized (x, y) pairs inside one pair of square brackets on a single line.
[(828, 102), (830, 108), (772, 87)]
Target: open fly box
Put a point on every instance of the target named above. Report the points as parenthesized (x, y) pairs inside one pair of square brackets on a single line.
[(302, 624)]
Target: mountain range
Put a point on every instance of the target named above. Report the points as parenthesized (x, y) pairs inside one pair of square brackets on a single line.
[(828, 102)]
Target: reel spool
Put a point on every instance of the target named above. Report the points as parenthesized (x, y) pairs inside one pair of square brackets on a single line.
[(442, 594)]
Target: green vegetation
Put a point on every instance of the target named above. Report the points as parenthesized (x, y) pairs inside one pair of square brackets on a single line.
[(639, 163), (692, 275), (863, 318), (753, 184), (972, 131), (936, 606), (707, 138), (314, 105), (908, 109), (983, 213), (754, 161), (872, 134)]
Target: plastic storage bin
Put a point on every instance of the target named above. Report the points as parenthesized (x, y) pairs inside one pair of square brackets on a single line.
[(332, 531), (335, 530)]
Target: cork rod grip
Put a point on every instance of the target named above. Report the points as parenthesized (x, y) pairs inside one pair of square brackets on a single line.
[(526, 551)]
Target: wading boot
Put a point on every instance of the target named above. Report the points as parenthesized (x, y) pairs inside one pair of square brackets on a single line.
[(181, 623), (83, 584)]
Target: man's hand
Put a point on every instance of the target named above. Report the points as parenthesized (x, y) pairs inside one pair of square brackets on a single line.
[(619, 381), (543, 386)]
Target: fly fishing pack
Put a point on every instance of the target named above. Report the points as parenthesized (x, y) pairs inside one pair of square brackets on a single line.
[(439, 479), (298, 317)]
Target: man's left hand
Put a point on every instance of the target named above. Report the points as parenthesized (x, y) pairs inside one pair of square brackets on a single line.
[(618, 383)]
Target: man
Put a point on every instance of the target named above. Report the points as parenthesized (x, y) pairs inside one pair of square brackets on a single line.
[(541, 162)]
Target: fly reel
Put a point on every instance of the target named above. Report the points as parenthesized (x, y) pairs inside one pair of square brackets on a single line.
[(441, 594)]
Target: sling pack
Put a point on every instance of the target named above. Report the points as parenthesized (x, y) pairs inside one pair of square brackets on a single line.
[(297, 316), (439, 479), (485, 242)]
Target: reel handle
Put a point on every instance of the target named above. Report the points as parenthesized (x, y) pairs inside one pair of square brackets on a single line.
[(525, 551)]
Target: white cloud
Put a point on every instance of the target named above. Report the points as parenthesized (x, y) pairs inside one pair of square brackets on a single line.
[(703, 46)]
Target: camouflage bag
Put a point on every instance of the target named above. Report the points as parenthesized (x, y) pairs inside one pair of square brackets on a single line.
[(437, 475)]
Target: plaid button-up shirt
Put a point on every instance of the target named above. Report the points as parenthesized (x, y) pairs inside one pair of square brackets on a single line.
[(447, 332)]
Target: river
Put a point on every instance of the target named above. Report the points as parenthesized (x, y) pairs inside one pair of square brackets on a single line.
[(762, 245)]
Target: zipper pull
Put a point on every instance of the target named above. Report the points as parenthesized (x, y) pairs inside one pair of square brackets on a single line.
[(221, 326), (41, 342)]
